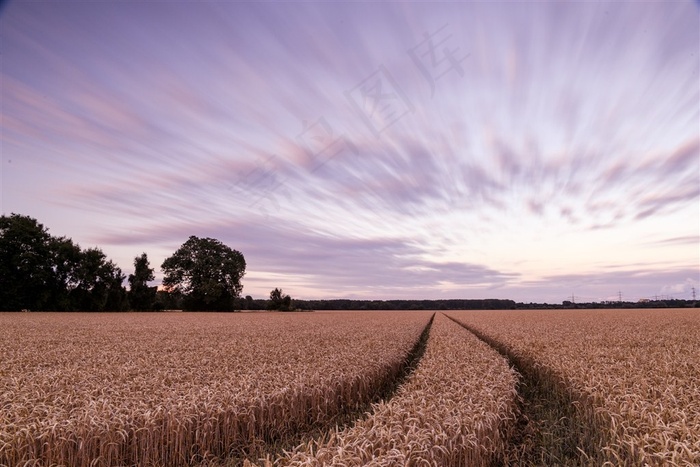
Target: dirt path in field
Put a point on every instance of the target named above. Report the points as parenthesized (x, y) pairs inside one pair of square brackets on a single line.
[(548, 431), (386, 393), (411, 362), (342, 420)]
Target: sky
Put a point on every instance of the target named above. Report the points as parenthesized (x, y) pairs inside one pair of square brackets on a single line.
[(534, 151)]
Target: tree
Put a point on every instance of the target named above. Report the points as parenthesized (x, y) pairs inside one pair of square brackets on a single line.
[(279, 301), (168, 300), (141, 296), (66, 260), (207, 273), (98, 284), (27, 277), (42, 272)]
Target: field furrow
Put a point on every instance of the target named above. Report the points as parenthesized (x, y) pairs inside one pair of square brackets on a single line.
[(178, 389), (615, 386), (457, 408)]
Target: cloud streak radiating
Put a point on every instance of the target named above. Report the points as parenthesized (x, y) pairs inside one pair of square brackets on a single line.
[(389, 150)]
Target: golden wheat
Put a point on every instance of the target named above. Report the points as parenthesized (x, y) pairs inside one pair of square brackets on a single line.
[(634, 375), (173, 389), (185, 389), (456, 408)]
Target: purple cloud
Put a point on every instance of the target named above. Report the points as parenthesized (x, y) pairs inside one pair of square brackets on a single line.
[(137, 125)]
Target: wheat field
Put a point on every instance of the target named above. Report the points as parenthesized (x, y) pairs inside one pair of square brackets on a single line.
[(459, 388), (177, 388), (457, 408), (633, 376)]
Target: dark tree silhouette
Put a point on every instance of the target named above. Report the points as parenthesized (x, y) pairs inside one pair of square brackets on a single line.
[(42, 272), (207, 273), (27, 278), (141, 296), (279, 301), (98, 283)]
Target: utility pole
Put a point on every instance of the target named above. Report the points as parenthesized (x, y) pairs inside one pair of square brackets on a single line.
[(619, 296), (693, 293)]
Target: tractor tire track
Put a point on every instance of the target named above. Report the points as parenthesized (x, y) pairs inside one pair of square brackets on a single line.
[(548, 430)]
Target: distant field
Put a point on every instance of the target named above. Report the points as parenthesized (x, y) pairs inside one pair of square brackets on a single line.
[(186, 389)]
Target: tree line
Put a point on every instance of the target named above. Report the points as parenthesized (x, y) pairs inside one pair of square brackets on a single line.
[(248, 303), (39, 271), (441, 304)]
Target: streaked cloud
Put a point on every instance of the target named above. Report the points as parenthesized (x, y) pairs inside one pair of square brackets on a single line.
[(341, 150)]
